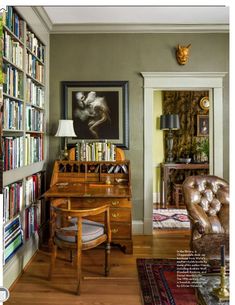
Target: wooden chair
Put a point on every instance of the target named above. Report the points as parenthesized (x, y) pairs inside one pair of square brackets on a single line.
[(69, 230)]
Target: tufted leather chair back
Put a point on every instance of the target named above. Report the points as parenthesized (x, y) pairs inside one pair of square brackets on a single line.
[(207, 203)]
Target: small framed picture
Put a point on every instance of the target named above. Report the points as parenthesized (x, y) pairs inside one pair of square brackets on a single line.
[(202, 125)]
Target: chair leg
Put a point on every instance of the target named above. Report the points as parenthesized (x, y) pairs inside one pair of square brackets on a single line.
[(107, 259), (79, 269), (53, 258)]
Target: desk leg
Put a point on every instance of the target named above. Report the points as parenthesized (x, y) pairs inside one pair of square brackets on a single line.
[(165, 186)]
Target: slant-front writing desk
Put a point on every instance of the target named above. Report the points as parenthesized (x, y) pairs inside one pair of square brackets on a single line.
[(85, 183)]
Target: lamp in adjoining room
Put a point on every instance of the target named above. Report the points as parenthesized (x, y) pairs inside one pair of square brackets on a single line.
[(169, 122), (66, 130)]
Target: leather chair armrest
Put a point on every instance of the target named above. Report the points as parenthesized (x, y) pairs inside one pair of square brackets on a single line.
[(199, 227)]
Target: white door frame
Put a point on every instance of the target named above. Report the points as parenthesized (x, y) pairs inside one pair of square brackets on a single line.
[(211, 81)]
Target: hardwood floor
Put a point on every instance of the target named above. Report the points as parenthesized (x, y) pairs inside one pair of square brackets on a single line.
[(121, 287)]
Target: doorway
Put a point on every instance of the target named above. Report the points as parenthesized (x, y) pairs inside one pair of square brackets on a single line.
[(153, 81)]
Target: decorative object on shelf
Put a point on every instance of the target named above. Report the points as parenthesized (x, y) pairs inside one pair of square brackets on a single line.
[(182, 54), (99, 110), (222, 292), (66, 130), (169, 122), (203, 147), (202, 125), (205, 103), (185, 160)]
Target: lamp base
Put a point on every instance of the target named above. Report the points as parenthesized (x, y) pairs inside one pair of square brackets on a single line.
[(64, 155)]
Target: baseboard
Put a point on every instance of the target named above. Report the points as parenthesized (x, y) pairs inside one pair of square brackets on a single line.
[(137, 227), (156, 197)]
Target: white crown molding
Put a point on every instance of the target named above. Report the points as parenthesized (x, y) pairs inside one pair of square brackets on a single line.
[(41, 13), (128, 28), (138, 28)]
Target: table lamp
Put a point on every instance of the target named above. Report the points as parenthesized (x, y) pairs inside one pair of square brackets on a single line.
[(66, 130), (169, 122)]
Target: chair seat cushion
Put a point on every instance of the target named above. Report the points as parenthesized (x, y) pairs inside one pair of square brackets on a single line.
[(209, 244), (90, 230)]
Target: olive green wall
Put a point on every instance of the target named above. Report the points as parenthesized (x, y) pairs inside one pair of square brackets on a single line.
[(122, 57)]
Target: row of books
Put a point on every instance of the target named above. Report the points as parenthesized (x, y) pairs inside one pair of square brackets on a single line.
[(12, 50), (34, 119), (33, 188), (35, 46), (12, 200), (34, 94), (13, 238), (34, 68), (13, 22), (32, 219), (12, 148), (33, 149), (12, 114), (95, 151), (12, 81)]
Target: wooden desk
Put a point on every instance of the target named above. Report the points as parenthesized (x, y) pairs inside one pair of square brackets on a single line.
[(80, 187), (167, 170)]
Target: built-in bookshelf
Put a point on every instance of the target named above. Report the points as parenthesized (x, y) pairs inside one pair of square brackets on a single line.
[(23, 131)]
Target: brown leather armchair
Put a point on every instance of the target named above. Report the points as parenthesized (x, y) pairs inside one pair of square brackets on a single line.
[(207, 202)]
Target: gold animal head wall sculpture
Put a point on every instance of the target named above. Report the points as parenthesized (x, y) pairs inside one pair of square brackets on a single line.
[(182, 54)]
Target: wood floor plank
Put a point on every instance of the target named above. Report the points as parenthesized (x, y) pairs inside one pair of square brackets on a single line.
[(33, 288)]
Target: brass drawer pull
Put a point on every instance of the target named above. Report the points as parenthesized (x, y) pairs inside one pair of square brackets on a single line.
[(90, 200), (114, 230), (115, 215), (115, 202)]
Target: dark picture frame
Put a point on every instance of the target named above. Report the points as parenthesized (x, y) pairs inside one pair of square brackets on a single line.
[(202, 125), (99, 109)]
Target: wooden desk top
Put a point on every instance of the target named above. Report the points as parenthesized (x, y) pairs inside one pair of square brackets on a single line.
[(76, 189)]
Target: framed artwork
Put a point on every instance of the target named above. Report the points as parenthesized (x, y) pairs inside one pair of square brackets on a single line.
[(99, 110), (202, 125)]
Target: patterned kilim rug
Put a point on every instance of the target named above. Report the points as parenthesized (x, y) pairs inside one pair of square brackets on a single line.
[(170, 219), (158, 282)]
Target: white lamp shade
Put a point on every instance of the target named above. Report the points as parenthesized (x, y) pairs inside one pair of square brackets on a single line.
[(65, 129)]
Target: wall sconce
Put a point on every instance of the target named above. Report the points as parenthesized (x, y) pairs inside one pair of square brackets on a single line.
[(66, 130), (169, 122)]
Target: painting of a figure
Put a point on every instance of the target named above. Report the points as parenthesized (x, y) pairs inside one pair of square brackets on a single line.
[(202, 125), (99, 110), (95, 114)]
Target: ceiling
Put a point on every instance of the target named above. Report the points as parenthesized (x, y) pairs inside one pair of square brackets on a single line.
[(132, 18)]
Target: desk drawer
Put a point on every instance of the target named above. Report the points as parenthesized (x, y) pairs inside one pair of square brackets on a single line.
[(116, 215), (120, 231), (113, 202)]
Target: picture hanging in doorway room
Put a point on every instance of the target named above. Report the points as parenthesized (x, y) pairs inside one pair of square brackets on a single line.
[(202, 125), (99, 110)]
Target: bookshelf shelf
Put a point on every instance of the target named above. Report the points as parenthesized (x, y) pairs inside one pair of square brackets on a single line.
[(23, 132), (13, 131), (12, 64), (5, 28), (35, 80), (38, 59), (12, 97)]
